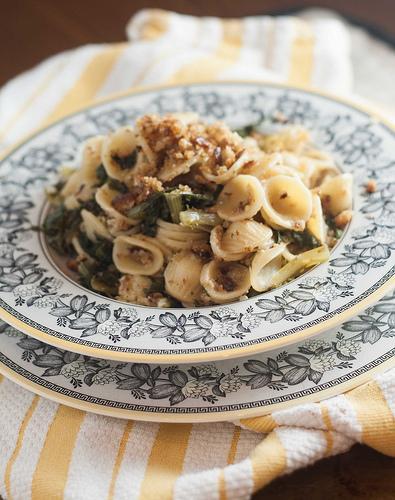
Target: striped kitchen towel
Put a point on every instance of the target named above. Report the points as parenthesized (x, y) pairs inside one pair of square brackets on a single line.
[(52, 451)]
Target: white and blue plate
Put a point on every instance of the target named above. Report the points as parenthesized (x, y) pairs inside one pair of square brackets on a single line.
[(309, 370), (37, 298)]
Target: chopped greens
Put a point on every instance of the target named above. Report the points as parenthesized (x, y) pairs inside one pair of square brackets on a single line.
[(148, 212), (303, 239), (126, 162), (100, 250), (175, 203), (166, 205), (157, 285), (197, 219), (60, 226), (101, 175), (337, 232), (117, 185), (94, 277), (92, 206), (247, 130)]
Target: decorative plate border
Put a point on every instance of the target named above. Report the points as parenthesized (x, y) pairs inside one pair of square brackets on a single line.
[(369, 246), (310, 370)]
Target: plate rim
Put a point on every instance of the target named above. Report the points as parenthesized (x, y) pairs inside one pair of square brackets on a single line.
[(225, 353), (192, 418)]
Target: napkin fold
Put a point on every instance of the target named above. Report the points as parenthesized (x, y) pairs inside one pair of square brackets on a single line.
[(52, 451)]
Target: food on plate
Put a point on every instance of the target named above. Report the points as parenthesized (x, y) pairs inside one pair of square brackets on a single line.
[(174, 211)]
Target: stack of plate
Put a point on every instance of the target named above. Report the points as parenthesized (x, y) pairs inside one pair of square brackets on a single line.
[(317, 336)]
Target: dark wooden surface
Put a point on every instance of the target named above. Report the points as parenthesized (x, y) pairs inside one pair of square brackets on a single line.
[(31, 30)]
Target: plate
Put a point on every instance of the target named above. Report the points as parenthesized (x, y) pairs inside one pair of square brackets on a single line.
[(309, 370), (38, 299)]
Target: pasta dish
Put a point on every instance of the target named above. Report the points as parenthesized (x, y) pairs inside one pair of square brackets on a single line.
[(177, 212)]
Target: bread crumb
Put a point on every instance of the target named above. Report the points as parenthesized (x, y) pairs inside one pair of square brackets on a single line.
[(343, 219), (371, 186)]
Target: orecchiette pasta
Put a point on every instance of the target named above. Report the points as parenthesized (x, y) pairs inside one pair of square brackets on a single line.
[(79, 187), (176, 212), (182, 277), (216, 237), (239, 239), (299, 264), (287, 203), (225, 281), (240, 199), (177, 237), (137, 255), (120, 156), (264, 266), (93, 227), (104, 198), (316, 225), (336, 193), (224, 174)]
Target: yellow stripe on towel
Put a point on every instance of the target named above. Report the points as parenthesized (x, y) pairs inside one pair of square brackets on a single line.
[(375, 417), (268, 460), (231, 458), (51, 472), (90, 81), (118, 460), (263, 424), (302, 55), (165, 462)]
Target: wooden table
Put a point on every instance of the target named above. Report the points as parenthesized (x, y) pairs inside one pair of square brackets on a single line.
[(34, 29)]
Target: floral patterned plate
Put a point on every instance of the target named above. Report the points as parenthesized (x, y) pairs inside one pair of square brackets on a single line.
[(40, 300), (329, 364)]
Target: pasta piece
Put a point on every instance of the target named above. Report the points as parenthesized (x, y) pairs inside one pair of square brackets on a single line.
[(288, 255), (182, 277), (186, 117), (268, 166), (224, 174), (287, 203), (93, 227), (240, 239), (177, 237), (216, 237), (299, 264), (316, 225), (336, 194), (293, 138), (80, 185), (322, 172), (241, 198), (225, 281), (137, 255), (74, 187), (104, 197), (81, 254), (91, 157), (264, 266), (304, 168), (120, 154)]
